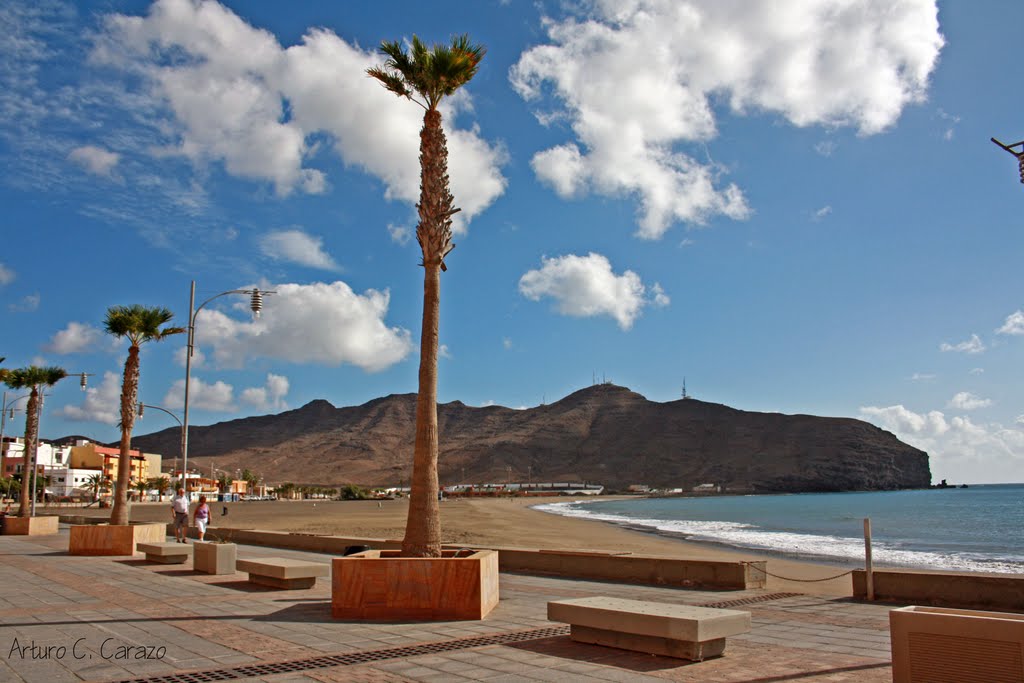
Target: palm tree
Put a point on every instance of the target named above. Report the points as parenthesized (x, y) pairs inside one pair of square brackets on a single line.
[(140, 324), (142, 486), (96, 483), (224, 482), (32, 377), (426, 76), (161, 484)]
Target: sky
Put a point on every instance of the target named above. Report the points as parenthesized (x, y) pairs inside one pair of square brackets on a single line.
[(793, 207)]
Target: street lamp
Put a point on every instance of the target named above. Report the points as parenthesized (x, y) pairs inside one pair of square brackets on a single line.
[(142, 410), (83, 382), (255, 305), (1019, 154), (7, 413)]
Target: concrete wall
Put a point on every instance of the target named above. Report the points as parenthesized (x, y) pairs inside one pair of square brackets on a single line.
[(947, 589)]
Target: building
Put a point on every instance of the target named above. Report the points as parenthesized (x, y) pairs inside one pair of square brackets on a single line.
[(48, 456), (70, 482), (88, 455)]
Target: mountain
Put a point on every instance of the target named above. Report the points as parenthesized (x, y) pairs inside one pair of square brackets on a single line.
[(603, 433)]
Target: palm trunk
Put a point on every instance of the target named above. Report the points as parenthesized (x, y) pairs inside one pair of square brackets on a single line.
[(129, 396), (31, 433), (423, 526)]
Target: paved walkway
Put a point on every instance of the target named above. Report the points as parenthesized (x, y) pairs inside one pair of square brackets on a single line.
[(65, 618)]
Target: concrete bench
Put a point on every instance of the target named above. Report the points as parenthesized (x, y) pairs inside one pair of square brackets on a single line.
[(693, 633), (282, 572), (166, 553)]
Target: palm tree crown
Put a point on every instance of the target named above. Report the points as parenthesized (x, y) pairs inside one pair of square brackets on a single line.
[(432, 73), (139, 323)]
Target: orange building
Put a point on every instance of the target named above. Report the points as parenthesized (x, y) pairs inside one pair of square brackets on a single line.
[(93, 456)]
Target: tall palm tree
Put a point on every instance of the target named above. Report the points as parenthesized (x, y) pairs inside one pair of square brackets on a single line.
[(140, 324), (32, 377), (96, 483), (426, 76)]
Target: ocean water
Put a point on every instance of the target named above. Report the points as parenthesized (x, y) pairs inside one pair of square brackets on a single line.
[(978, 529)]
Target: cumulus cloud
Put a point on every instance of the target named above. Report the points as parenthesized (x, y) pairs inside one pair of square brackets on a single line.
[(636, 79), (96, 160), (75, 338), (320, 323), (959, 448), (1014, 324), (296, 246), (198, 357), (977, 371), (972, 346), (270, 396), (237, 97), (399, 234), (216, 397), (101, 404), (6, 275), (965, 400), (821, 213), (826, 148), (585, 286)]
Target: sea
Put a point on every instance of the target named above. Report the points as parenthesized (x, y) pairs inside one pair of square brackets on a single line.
[(975, 529)]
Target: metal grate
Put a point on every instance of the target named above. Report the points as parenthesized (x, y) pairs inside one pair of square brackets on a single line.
[(739, 602), (295, 666)]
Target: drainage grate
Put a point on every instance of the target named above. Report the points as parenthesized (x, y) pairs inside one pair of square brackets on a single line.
[(352, 658), (750, 601)]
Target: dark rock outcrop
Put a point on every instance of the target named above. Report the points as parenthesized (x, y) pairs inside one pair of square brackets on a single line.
[(604, 433)]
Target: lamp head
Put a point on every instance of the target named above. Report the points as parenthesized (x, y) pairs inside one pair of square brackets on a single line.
[(142, 409)]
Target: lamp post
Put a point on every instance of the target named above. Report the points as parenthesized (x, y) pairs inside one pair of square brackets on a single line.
[(83, 383), (7, 413), (255, 305), (1018, 153), (142, 410)]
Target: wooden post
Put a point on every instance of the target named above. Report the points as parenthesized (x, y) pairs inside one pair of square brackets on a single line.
[(869, 582)]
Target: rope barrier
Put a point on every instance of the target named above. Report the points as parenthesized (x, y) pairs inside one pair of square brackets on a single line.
[(787, 578)]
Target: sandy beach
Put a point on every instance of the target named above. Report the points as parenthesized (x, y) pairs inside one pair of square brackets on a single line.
[(492, 522)]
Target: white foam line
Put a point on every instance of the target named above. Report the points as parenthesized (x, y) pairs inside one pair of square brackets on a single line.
[(835, 547)]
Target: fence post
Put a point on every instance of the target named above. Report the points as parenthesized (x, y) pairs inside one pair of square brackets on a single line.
[(869, 579)]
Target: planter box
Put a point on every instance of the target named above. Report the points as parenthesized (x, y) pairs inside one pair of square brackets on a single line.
[(107, 539), (30, 526), (942, 645), (214, 558), (381, 584)]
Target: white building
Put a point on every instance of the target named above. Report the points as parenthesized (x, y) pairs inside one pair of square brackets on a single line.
[(48, 456), (74, 482)]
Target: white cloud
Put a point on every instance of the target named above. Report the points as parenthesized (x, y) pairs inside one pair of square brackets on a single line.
[(94, 159), (298, 247), (101, 404), (217, 397), (28, 303), (972, 346), (826, 148), (6, 275), (585, 286), (921, 377), (658, 296), (960, 450), (443, 352), (198, 357), (965, 400), (1019, 420), (821, 213), (977, 371), (75, 338), (270, 396), (637, 79), (319, 323), (1014, 324), (399, 234), (949, 122), (236, 96), (506, 343)]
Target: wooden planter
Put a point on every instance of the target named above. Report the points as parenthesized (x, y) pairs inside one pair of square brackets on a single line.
[(380, 584), (30, 526), (214, 558), (931, 644), (110, 539)]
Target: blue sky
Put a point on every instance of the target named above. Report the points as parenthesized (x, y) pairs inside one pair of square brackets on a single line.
[(796, 207)]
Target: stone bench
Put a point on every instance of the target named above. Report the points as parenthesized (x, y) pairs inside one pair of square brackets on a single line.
[(166, 553), (282, 572), (693, 633)]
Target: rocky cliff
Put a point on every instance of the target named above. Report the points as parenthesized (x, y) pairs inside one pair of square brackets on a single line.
[(604, 433)]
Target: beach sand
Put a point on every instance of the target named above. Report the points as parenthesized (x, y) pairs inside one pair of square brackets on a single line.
[(493, 522)]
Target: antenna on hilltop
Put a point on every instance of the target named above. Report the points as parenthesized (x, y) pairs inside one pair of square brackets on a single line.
[(685, 395)]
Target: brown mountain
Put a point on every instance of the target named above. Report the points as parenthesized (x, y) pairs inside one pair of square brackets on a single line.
[(604, 433)]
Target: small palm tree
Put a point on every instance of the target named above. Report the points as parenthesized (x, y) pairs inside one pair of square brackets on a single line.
[(140, 324), (161, 484), (33, 378), (142, 486), (96, 483), (427, 76), (223, 482)]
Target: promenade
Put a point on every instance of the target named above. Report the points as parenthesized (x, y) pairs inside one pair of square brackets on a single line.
[(65, 618)]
